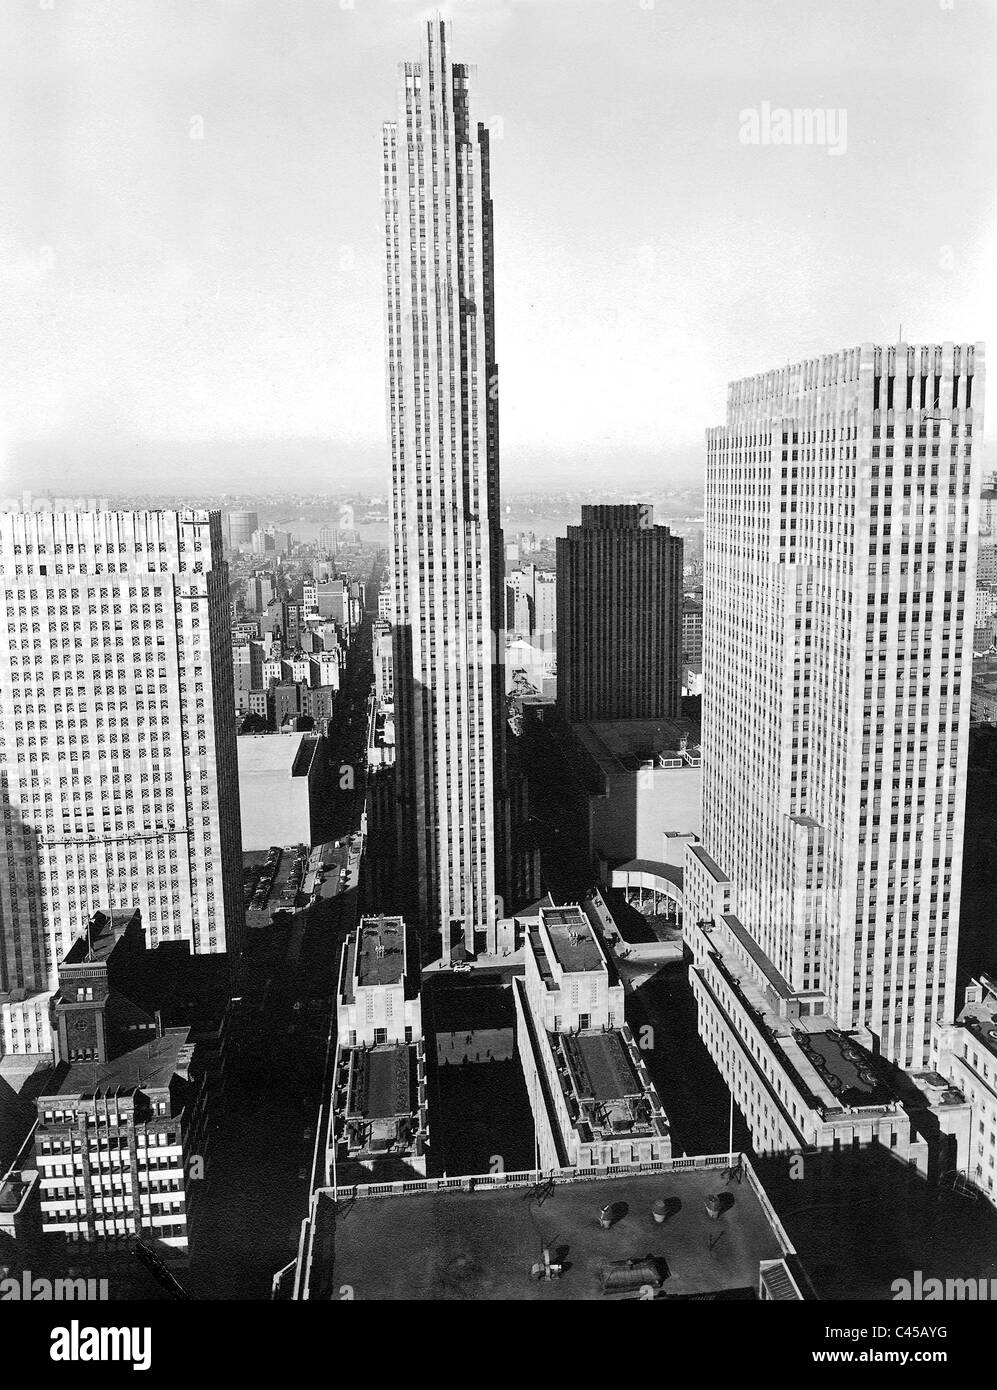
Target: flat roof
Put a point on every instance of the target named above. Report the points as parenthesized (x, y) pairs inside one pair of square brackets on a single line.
[(619, 745), (380, 952), (572, 938), (846, 1067), (271, 752), (381, 1082), (601, 1066), (775, 978), (709, 863), (981, 1021), (816, 1071), (455, 1245)]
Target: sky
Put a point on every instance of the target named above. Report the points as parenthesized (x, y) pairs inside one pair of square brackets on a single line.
[(191, 234)]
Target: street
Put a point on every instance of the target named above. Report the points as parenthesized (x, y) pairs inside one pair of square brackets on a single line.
[(283, 1023)]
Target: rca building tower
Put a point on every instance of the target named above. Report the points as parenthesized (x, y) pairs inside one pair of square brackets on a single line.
[(447, 551)]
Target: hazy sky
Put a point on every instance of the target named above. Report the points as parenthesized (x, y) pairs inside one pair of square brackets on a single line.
[(183, 311)]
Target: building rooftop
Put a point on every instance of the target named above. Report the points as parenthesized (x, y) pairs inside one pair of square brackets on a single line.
[(380, 951), (149, 1067), (774, 978), (572, 938), (848, 1069), (605, 1094), (600, 1065), (99, 937), (480, 1245), (289, 753), (980, 1017), (625, 745), (380, 1082), (835, 1069), (709, 864), (384, 1109)]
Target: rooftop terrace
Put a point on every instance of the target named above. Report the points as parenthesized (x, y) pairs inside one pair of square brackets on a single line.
[(606, 1096), (572, 938), (381, 1082), (384, 1110), (443, 1243), (833, 1067), (380, 958)]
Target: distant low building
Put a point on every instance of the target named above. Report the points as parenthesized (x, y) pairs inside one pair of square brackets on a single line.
[(381, 734), (692, 630), (323, 669), (384, 678), (318, 703), (983, 693), (692, 678)]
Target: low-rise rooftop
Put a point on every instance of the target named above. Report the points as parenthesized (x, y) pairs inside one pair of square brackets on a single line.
[(380, 951), (452, 1244), (604, 1091), (625, 745), (709, 864), (834, 1068), (289, 753), (572, 938)]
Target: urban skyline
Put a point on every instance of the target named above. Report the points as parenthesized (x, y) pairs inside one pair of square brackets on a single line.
[(412, 894)]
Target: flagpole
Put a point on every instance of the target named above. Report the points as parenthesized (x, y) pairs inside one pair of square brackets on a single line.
[(334, 1145)]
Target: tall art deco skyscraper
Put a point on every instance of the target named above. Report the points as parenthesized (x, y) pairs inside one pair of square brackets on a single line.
[(447, 561), (118, 778), (840, 559)]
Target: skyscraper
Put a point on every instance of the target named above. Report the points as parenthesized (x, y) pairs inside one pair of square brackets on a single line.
[(241, 525), (118, 779), (840, 559), (619, 599), (447, 564)]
